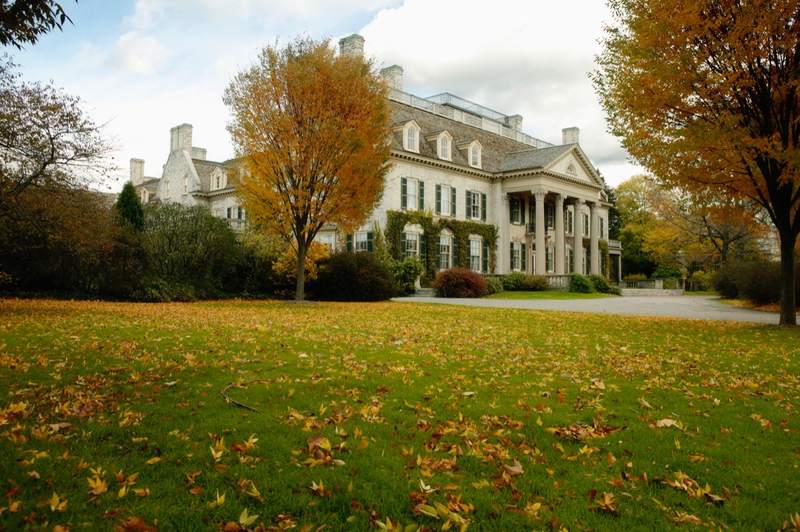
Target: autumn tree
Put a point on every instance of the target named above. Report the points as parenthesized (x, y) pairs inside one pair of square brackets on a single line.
[(312, 129), (705, 95), (24, 21), (46, 139)]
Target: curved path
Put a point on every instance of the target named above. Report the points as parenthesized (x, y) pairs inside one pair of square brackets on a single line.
[(688, 307)]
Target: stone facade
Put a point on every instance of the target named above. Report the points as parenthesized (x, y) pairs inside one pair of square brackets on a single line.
[(546, 201)]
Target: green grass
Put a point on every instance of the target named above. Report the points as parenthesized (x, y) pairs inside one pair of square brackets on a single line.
[(418, 405), (546, 294)]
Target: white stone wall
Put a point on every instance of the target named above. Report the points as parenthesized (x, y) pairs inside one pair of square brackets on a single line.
[(171, 187)]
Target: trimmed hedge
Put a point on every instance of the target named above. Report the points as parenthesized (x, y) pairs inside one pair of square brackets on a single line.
[(513, 281), (352, 277), (535, 283), (459, 282), (494, 285), (580, 283), (599, 283)]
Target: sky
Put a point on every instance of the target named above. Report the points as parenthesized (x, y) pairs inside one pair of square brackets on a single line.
[(144, 66)]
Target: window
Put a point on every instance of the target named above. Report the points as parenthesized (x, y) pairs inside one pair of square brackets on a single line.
[(412, 194), (585, 224), (475, 249), (445, 200), (411, 244), (228, 213), (570, 221), (476, 205), (516, 256), (328, 240), (516, 210), (411, 137), (602, 227), (475, 155), (570, 260), (218, 181), (143, 196), (550, 254), (239, 213), (550, 216), (185, 184), (444, 146), (362, 242), (445, 251)]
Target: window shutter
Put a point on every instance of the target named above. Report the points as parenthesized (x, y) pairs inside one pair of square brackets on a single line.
[(456, 262), (512, 203), (468, 210), (438, 199), (453, 201), (403, 193), (522, 211), (423, 250), (370, 241), (523, 257), (485, 257), (349, 240), (511, 256), (421, 195), (483, 207)]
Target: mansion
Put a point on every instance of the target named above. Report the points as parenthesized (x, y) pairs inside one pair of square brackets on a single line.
[(458, 161)]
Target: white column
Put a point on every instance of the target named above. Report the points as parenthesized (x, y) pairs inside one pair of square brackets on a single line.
[(559, 251), (500, 217), (594, 235), (541, 230), (577, 238)]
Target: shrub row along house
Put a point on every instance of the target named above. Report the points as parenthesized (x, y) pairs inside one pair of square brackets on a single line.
[(466, 188)]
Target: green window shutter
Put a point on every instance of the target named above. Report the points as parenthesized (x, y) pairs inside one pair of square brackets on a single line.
[(423, 250), (349, 239), (453, 202), (522, 211), (438, 199), (483, 207), (511, 256), (485, 257), (421, 195), (524, 256), (403, 193), (468, 209), (370, 241), (512, 203)]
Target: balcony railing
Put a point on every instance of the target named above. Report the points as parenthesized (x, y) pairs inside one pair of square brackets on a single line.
[(615, 245)]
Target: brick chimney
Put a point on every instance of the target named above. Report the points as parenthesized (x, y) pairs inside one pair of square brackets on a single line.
[(180, 138), (137, 171), (570, 135), (352, 46)]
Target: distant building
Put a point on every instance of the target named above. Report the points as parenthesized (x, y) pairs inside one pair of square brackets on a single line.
[(458, 160)]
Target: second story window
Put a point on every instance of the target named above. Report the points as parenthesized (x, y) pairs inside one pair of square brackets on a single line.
[(515, 205), (476, 205), (445, 200), (569, 221), (602, 226), (585, 224), (550, 216), (412, 194)]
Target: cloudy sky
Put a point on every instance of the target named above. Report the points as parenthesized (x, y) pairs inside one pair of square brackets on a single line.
[(143, 66)]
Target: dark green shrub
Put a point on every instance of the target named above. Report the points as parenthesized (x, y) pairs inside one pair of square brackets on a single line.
[(599, 283), (129, 208), (513, 281), (614, 290), (758, 281), (159, 290), (494, 285), (459, 282), (352, 277), (405, 274), (580, 283), (725, 281), (535, 283)]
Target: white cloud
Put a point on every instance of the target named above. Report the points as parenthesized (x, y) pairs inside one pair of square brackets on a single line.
[(530, 58)]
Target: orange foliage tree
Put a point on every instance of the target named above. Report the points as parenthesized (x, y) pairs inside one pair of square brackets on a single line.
[(312, 128), (705, 95)]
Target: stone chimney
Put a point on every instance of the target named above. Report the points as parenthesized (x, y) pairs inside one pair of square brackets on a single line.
[(570, 135), (137, 171), (180, 138), (352, 46), (199, 153), (393, 76), (514, 122)]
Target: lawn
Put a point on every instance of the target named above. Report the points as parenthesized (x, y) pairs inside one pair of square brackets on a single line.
[(546, 294), (372, 415)]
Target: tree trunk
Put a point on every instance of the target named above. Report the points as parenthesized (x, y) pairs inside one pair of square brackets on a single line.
[(788, 303), (300, 287)]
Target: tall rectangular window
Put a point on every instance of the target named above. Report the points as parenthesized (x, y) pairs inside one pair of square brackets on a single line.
[(412, 245), (570, 221), (516, 256), (445, 251), (550, 216), (185, 184), (444, 200), (361, 242), (516, 210), (602, 227), (475, 254), (549, 260), (585, 224), (476, 205)]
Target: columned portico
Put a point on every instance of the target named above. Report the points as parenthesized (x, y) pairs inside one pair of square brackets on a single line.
[(594, 238), (541, 253), (560, 249)]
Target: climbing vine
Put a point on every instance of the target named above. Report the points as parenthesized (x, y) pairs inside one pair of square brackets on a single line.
[(431, 229), (603, 247)]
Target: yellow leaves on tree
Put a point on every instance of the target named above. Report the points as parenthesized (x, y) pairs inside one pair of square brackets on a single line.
[(312, 128), (286, 264), (705, 95)]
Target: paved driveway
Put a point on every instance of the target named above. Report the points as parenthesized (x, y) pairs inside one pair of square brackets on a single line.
[(690, 307)]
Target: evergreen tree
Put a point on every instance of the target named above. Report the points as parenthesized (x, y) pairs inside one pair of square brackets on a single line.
[(129, 208)]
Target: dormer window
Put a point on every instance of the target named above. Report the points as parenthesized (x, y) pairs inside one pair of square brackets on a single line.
[(218, 181), (475, 154), (411, 137), (444, 146)]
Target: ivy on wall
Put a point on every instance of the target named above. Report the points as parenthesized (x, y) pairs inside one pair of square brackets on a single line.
[(603, 247), (429, 240)]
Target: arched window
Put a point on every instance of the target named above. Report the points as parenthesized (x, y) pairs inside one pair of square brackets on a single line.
[(475, 154), (444, 146), (411, 137)]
